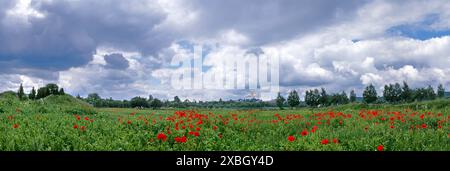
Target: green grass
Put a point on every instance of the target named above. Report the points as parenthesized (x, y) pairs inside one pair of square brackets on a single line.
[(48, 125)]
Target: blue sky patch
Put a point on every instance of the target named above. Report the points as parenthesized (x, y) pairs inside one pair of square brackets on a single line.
[(420, 30)]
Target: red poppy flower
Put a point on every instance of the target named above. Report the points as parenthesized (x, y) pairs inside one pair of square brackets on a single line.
[(324, 141), (380, 148), (75, 126), (86, 118), (161, 136), (304, 132), (439, 127), (197, 129), (392, 127), (215, 128), (78, 117), (183, 127), (180, 139), (199, 122), (83, 128), (16, 126), (291, 138), (314, 129), (196, 134), (220, 135), (335, 140), (128, 122), (424, 126)]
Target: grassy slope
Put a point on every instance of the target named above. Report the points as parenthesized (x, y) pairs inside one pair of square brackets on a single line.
[(65, 104)]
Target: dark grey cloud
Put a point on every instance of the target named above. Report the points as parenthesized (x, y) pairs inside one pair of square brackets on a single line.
[(267, 21), (120, 24), (116, 61), (71, 31)]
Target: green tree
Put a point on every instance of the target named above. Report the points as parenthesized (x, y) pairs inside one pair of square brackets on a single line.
[(315, 97), (94, 99), (156, 103), (176, 99), (293, 99), (150, 98), (42, 92), (370, 94), (344, 98), (312, 98), (126, 104), (20, 92), (397, 92), (32, 94), (441, 91), (323, 99), (430, 94), (176, 102), (308, 98), (392, 93), (387, 93), (280, 100), (52, 89), (407, 93), (61, 91), (138, 102), (419, 94), (94, 96), (352, 96)]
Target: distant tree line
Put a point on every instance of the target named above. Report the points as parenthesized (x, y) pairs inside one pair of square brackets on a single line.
[(155, 103), (47, 90), (392, 93), (395, 93)]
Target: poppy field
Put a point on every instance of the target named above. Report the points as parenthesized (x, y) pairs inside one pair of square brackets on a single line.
[(306, 129)]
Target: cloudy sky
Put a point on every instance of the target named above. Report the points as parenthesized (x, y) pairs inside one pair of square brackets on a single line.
[(122, 49)]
